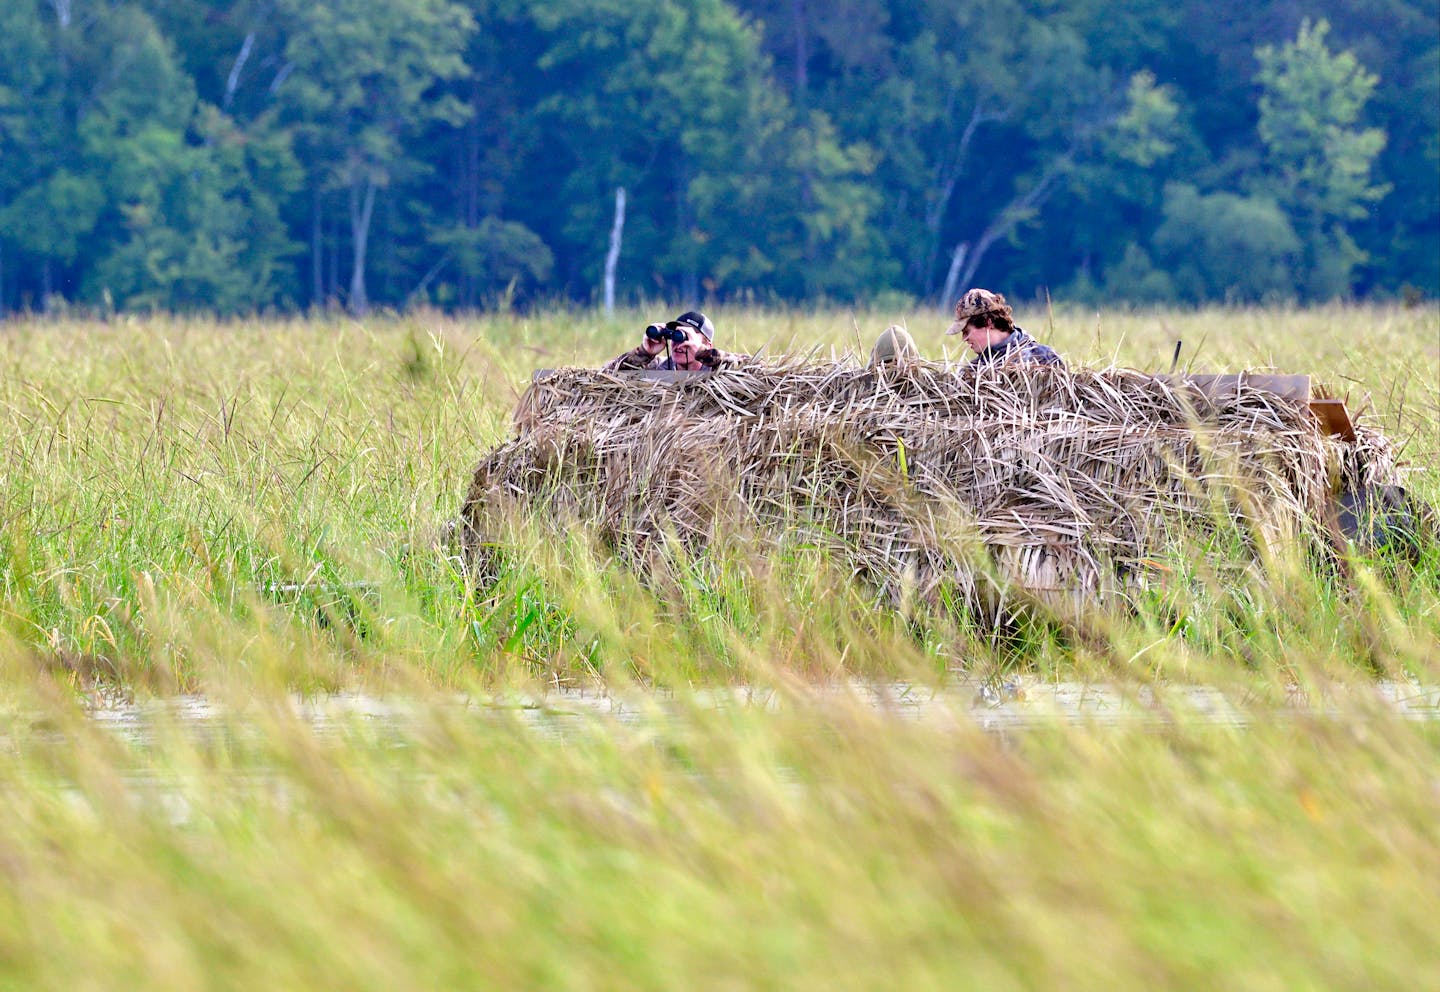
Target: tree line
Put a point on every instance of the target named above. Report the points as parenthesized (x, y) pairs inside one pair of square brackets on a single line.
[(237, 156)]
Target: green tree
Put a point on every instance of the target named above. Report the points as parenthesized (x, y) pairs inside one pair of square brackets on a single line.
[(1241, 249), (1318, 158), (729, 188), (125, 182), (496, 166), (1114, 194), (191, 221), (791, 216), (493, 253), (655, 94), (979, 114), (361, 82), (449, 149), (198, 203), (1401, 232), (50, 197)]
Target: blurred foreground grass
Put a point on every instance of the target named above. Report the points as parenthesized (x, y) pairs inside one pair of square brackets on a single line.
[(247, 511), (810, 844)]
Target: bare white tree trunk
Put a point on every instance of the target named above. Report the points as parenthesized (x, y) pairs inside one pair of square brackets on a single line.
[(612, 257), (280, 77), (362, 207), (952, 277), (233, 80)]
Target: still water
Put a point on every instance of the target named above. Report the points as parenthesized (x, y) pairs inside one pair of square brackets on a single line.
[(1007, 706), (1011, 707)]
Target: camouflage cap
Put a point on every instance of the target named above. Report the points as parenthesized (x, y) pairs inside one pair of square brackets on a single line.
[(978, 303), (696, 321)]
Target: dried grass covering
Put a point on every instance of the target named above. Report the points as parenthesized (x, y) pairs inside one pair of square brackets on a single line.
[(1060, 482)]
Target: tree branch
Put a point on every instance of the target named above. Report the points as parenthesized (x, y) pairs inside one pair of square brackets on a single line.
[(946, 176), (1014, 212)]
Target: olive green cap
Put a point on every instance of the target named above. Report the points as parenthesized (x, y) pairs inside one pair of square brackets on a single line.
[(894, 344)]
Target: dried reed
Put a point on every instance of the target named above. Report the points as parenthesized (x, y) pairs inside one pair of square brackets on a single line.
[(1072, 482)]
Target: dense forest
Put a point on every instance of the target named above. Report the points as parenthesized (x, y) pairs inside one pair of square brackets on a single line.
[(237, 156)]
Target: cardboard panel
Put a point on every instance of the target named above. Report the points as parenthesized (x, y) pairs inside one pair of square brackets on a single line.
[(1334, 418)]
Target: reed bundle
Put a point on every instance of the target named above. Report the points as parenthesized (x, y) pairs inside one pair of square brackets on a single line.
[(923, 475)]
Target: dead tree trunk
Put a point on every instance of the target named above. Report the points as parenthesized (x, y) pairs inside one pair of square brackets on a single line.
[(612, 257), (952, 277), (233, 80), (362, 208)]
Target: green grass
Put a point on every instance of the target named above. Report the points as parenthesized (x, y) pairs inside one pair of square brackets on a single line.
[(247, 511)]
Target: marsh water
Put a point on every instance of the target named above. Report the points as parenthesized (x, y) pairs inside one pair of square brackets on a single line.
[(376, 722), (996, 706)]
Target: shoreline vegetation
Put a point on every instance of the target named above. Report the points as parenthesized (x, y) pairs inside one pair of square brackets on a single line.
[(251, 513), (467, 155)]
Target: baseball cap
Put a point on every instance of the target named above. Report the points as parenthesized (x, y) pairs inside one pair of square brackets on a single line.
[(695, 320), (894, 345)]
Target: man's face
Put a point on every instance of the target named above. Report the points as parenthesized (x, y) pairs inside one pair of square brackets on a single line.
[(977, 334), (684, 352)]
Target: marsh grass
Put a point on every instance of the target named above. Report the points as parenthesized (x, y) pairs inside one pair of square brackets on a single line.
[(254, 512)]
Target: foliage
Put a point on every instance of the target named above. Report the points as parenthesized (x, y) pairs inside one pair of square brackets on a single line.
[(361, 85), (236, 155), (1318, 160), (1226, 246), (496, 252)]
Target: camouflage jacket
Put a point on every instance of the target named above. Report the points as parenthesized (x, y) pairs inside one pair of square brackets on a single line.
[(1018, 347), (636, 360)]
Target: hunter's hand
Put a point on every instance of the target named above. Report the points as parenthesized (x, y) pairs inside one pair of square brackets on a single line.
[(651, 346)]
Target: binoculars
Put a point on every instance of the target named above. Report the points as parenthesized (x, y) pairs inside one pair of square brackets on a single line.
[(659, 332)]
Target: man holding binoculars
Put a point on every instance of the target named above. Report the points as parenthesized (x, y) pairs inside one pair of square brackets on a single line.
[(681, 345)]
